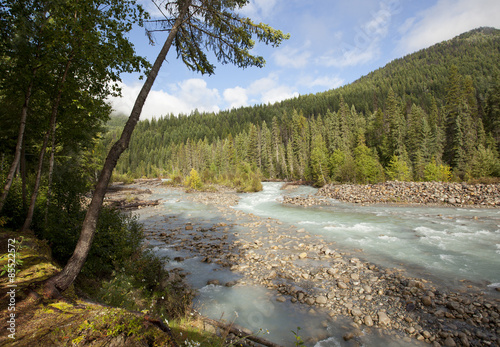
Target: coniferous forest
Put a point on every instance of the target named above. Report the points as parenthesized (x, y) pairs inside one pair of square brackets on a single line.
[(430, 116)]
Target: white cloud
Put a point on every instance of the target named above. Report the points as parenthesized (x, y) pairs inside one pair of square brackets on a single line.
[(364, 46), (445, 20), (292, 57), (259, 8), (325, 81), (235, 97), (278, 94), (262, 91), (347, 55), (186, 96), (268, 90)]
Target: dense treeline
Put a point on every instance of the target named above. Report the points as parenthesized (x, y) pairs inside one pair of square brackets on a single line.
[(432, 115), (58, 64)]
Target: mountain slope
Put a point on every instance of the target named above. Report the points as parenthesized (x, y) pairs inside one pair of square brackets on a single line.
[(407, 91)]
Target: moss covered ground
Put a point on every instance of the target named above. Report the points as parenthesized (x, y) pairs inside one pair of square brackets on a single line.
[(73, 320)]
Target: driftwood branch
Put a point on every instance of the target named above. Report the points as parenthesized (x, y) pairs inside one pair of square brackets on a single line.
[(240, 332)]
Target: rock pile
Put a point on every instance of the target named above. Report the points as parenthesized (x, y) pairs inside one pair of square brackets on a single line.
[(428, 193), (303, 201)]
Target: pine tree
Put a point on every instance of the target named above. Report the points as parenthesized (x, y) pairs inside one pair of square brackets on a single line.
[(368, 168), (397, 131), (319, 161)]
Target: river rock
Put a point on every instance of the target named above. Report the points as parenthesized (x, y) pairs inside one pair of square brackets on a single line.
[(449, 342), (332, 271), (352, 334), (214, 282), (426, 300), (356, 312), (414, 193), (302, 255), (272, 275), (368, 321), (310, 301), (341, 285), (321, 300), (383, 319)]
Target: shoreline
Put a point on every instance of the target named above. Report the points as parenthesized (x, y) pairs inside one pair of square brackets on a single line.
[(372, 297), (431, 194)]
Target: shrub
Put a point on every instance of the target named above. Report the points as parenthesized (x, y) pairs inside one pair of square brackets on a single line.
[(193, 181), (398, 169), (437, 173)]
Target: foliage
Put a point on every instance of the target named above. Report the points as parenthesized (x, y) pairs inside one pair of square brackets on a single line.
[(398, 169), (437, 173), (398, 110), (193, 181), (485, 163), (298, 340), (367, 166)]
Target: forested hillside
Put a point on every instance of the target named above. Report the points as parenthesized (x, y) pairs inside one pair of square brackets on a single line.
[(431, 115)]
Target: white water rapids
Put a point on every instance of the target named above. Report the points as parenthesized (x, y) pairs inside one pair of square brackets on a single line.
[(451, 243), (450, 246)]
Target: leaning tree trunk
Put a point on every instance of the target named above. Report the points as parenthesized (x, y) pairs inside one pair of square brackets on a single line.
[(53, 117), (65, 278), (20, 138)]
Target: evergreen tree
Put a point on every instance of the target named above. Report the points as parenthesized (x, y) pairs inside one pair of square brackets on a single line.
[(398, 169), (368, 168), (319, 161)]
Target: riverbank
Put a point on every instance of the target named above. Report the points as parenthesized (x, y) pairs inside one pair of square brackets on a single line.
[(417, 193), (304, 269), (28, 319)]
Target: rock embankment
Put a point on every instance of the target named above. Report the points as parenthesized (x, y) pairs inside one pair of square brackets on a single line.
[(427, 193), (309, 200)]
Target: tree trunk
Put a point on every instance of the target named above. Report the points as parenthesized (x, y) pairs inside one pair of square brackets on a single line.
[(53, 117), (65, 278), (20, 137), (51, 171), (23, 178)]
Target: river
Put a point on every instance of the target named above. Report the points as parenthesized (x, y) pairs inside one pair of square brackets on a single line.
[(448, 246)]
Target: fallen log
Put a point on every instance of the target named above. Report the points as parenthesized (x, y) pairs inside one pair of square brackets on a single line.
[(139, 204)]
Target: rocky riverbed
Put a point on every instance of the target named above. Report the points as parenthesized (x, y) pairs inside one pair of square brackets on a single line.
[(421, 193), (302, 268)]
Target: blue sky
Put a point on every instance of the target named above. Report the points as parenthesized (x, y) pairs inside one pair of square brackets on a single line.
[(332, 43)]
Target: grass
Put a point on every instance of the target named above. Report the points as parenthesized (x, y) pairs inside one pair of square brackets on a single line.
[(75, 321)]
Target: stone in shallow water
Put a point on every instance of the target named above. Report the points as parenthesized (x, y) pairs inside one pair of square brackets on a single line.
[(321, 300)]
